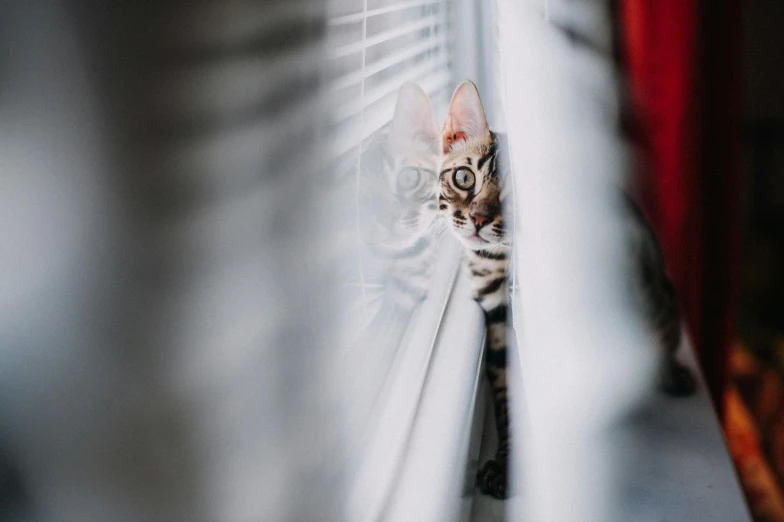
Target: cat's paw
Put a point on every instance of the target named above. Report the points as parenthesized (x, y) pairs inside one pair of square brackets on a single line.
[(492, 479), (677, 380)]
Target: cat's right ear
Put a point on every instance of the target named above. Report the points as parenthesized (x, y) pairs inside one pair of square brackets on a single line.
[(466, 117), (414, 119)]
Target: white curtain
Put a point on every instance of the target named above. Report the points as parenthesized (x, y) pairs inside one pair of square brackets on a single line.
[(164, 319), (584, 360)]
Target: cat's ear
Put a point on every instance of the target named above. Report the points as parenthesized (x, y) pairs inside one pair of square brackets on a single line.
[(466, 117), (414, 120)]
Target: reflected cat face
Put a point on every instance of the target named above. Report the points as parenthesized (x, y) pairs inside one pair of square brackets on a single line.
[(398, 174), (470, 183)]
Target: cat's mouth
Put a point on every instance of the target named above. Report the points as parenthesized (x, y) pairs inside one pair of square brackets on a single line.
[(475, 241)]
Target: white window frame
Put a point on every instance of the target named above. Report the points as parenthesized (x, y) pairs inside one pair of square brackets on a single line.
[(418, 453)]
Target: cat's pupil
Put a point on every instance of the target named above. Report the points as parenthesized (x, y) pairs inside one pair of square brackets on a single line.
[(408, 179)]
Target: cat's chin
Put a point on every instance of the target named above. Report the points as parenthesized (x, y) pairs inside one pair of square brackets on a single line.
[(478, 243)]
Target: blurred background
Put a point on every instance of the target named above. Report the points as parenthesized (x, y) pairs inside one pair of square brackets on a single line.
[(207, 313), (705, 77), (754, 395)]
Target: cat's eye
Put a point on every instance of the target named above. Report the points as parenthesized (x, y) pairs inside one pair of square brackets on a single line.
[(464, 178), (408, 178)]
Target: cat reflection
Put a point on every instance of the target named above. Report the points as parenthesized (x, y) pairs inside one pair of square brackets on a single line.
[(397, 204)]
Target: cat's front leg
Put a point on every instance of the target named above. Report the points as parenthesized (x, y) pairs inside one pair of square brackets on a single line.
[(492, 477)]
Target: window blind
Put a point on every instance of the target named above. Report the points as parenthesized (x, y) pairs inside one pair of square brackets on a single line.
[(375, 46)]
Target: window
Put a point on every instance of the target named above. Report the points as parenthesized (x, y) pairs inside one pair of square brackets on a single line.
[(413, 336), (375, 46)]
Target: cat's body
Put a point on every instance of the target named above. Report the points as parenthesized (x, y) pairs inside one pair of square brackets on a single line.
[(654, 296), (471, 197), (471, 194)]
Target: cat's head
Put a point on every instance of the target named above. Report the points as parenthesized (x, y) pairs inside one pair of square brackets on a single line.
[(398, 178), (470, 184)]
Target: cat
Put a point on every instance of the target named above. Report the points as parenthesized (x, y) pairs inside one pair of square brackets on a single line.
[(472, 193), (471, 196)]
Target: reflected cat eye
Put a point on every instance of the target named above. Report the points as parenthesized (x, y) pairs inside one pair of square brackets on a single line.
[(408, 178), (464, 178)]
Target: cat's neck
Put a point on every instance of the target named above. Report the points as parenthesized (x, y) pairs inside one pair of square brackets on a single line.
[(496, 251)]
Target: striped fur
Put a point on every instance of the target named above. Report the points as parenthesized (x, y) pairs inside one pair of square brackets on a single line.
[(474, 214)]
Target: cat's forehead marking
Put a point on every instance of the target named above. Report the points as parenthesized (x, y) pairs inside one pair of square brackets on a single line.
[(454, 162)]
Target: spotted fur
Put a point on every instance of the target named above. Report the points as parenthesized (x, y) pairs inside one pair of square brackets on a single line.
[(471, 195)]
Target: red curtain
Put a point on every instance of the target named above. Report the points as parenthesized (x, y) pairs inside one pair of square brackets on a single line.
[(681, 59)]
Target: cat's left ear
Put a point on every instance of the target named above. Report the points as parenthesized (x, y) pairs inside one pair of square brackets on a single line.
[(466, 117), (414, 119)]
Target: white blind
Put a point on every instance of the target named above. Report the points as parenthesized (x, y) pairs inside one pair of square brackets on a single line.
[(374, 47)]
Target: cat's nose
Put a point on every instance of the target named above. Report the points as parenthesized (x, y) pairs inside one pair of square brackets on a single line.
[(479, 220)]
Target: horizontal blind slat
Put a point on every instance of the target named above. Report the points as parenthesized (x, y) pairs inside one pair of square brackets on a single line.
[(404, 54), (397, 48), (358, 17), (390, 86), (377, 116), (355, 47)]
